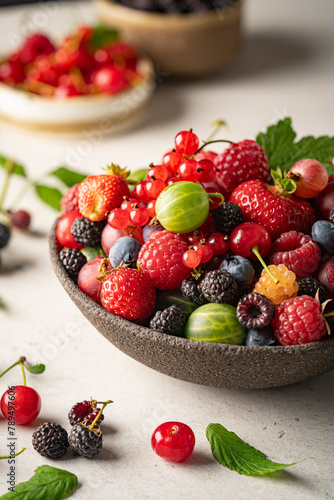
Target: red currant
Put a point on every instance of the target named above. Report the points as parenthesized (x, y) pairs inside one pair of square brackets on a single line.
[(172, 180), (205, 250), (127, 204), (118, 218), (140, 192), (157, 172), (139, 215), (154, 188), (21, 404), (172, 161), (189, 171), (173, 441), (151, 208), (219, 242), (191, 258), (194, 236), (186, 143), (208, 170), (64, 235), (109, 79)]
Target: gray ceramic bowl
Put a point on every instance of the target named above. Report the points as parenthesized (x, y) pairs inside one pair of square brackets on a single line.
[(217, 365)]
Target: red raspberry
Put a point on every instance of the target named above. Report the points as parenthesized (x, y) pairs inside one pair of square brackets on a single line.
[(298, 321), (129, 293), (69, 201), (297, 251), (240, 162), (161, 257), (20, 219)]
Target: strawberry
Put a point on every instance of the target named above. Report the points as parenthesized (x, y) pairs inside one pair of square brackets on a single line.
[(240, 162), (99, 194), (279, 213), (129, 293)]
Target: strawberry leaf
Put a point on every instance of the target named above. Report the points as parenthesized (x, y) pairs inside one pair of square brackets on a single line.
[(231, 452), (50, 196), (67, 176)]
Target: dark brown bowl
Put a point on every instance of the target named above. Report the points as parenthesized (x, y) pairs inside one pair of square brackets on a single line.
[(217, 365)]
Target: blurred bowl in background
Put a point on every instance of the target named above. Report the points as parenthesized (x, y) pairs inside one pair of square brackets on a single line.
[(181, 44)]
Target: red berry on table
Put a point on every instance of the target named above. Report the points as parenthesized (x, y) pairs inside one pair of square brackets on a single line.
[(21, 404), (20, 219), (173, 441), (69, 201), (186, 143), (99, 194), (118, 218), (63, 232), (161, 258), (299, 321), (129, 293), (310, 176), (248, 235), (241, 162)]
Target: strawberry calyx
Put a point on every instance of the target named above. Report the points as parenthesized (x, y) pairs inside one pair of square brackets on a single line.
[(284, 184), (114, 169)]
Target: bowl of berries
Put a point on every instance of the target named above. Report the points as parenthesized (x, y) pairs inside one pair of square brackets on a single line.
[(92, 79), (184, 38), (205, 270)]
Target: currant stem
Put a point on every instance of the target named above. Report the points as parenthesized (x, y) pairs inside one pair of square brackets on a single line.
[(256, 252), (21, 360), (100, 412), (15, 454), (206, 143), (9, 165)]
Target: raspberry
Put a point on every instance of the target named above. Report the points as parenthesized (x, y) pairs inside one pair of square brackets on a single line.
[(171, 320), (85, 442), (161, 258), (129, 293), (191, 291), (50, 440), (69, 201), (297, 251), (310, 286), (86, 410), (298, 321), (87, 232), (255, 311), (218, 286), (20, 219), (286, 287), (73, 260), (227, 216)]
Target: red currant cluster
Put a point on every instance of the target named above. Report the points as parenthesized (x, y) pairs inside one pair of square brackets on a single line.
[(202, 248)]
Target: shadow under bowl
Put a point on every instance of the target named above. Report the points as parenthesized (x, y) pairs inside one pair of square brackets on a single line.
[(216, 365)]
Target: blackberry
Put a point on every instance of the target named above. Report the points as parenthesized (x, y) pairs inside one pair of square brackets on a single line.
[(87, 232), (85, 442), (4, 235), (255, 311), (310, 286), (170, 320), (218, 286), (50, 440), (227, 216), (73, 260), (331, 215), (191, 291), (86, 410)]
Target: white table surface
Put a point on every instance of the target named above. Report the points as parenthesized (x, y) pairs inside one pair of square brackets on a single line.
[(285, 68)]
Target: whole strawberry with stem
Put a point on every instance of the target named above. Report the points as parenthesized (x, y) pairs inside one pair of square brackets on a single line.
[(99, 194), (273, 207)]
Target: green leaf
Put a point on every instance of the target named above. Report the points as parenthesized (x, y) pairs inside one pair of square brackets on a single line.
[(321, 149), (48, 483), (17, 168), (102, 37), (231, 452), (67, 176), (37, 369), (91, 252), (50, 196), (138, 175)]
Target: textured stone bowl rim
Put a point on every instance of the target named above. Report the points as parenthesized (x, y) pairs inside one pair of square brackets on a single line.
[(162, 340)]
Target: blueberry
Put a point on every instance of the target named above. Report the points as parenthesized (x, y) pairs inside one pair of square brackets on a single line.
[(323, 234), (126, 249), (240, 268), (4, 235), (261, 337)]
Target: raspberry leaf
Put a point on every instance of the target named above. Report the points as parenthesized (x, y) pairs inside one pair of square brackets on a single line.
[(231, 452), (50, 196), (67, 176), (47, 482)]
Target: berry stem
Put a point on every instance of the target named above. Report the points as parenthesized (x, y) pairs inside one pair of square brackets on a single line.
[(218, 124), (217, 195), (21, 360), (206, 143), (29, 183), (100, 412), (256, 252), (23, 372), (9, 165), (327, 315), (15, 454)]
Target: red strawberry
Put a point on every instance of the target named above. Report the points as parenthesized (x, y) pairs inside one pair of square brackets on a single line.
[(279, 213), (99, 194), (129, 293), (241, 162)]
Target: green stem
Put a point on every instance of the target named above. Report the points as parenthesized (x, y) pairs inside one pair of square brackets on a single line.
[(100, 412), (327, 315), (217, 195), (256, 252), (218, 124), (206, 143), (21, 360), (9, 165), (15, 454), (23, 372), (27, 185)]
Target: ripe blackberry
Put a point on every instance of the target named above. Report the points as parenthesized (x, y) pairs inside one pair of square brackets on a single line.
[(255, 311), (227, 216), (4, 235), (310, 286), (87, 232), (331, 215), (171, 320), (218, 286), (73, 260), (86, 410), (191, 291), (50, 440), (85, 442)]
